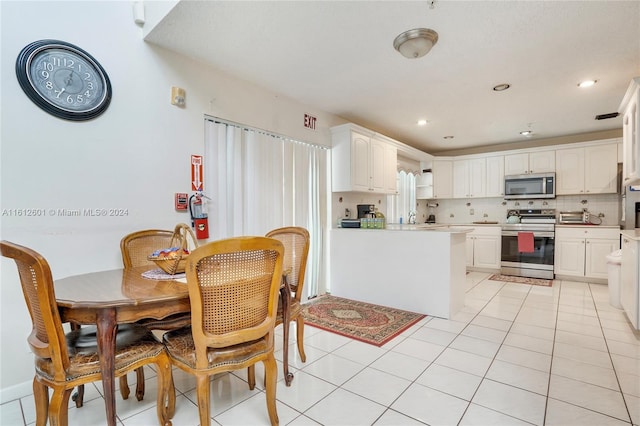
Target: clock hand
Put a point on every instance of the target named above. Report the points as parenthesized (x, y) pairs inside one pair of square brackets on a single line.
[(69, 80)]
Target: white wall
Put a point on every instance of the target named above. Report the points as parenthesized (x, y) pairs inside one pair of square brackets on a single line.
[(135, 156)]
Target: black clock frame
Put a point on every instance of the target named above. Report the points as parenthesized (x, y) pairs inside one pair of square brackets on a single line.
[(22, 73)]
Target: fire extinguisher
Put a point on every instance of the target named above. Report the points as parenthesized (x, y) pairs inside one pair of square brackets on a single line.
[(199, 221)]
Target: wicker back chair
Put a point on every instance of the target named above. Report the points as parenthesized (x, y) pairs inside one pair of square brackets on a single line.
[(62, 366), (137, 246), (296, 242), (234, 289)]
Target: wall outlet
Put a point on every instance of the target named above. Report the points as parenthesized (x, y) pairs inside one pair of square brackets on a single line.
[(472, 212)]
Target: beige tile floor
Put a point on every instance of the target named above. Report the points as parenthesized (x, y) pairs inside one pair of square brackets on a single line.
[(515, 355)]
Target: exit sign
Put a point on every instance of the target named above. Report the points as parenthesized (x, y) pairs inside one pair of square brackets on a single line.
[(310, 121)]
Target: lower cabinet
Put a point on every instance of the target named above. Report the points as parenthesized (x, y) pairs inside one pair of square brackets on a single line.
[(630, 279), (484, 247), (581, 252)]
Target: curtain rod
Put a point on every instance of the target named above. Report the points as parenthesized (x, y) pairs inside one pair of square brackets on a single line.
[(255, 129)]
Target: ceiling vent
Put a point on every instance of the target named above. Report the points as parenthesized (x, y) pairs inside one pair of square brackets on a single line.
[(605, 116)]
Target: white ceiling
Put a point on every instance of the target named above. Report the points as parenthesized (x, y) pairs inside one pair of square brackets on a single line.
[(338, 56)]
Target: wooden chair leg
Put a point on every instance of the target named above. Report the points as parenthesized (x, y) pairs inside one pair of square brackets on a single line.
[(124, 387), (140, 383), (300, 337), (41, 397), (251, 376), (166, 402), (271, 372), (58, 407), (203, 389), (78, 396)]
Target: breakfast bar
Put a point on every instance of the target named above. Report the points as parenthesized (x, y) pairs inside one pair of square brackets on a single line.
[(417, 268)]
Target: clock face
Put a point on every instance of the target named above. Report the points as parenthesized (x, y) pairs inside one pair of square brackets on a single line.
[(63, 80)]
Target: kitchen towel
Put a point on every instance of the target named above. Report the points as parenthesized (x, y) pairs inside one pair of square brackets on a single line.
[(525, 242)]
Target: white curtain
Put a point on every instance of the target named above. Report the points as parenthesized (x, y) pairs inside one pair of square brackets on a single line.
[(402, 204), (257, 181)]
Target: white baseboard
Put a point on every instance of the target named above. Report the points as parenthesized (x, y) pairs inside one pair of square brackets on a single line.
[(16, 391)]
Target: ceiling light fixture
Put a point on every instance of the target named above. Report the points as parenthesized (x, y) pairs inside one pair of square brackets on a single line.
[(501, 87), (587, 83), (448, 137), (415, 43), (422, 122), (526, 133)]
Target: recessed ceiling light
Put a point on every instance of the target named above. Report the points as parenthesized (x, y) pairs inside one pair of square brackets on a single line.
[(526, 132), (501, 87), (448, 137), (422, 122), (587, 83)]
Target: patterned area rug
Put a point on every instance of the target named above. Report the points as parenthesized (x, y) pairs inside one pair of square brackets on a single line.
[(365, 322), (521, 280)]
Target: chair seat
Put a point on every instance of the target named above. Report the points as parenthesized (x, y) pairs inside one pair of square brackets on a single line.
[(181, 348), (87, 362), (294, 310)]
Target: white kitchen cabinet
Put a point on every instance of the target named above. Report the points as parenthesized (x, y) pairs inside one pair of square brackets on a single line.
[(469, 178), (442, 179), (495, 176), (362, 163), (588, 170), (630, 276), (390, 167), (630, 110), (484, 247), (581, 250), (532, 162)]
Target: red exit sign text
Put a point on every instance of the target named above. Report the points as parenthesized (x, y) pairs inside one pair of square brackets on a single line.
[(310, 121)]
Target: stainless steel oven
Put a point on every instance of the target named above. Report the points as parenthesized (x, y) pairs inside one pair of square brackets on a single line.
[(535, 263)]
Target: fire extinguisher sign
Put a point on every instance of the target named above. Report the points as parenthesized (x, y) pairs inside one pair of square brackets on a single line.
[(196, 173)]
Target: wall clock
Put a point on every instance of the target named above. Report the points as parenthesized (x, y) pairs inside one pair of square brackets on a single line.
[(63, 80)]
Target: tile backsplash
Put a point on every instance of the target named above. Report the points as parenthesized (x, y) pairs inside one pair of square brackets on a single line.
[(458, 211)]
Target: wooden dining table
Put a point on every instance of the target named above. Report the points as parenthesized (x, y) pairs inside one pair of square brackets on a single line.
[(121, 296)]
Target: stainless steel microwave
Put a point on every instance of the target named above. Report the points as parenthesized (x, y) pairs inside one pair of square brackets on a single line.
[(535, 185)]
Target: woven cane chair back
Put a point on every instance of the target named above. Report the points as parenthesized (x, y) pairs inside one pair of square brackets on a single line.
[(47, 339), (137, 246), (233, 286), (296, 242)]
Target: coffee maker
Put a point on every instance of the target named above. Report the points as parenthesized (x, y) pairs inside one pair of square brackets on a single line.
[(431, 217), (366, 210)]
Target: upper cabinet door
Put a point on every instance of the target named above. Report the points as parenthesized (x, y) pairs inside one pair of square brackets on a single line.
[(516, 164), (601, 169), (477, 177), (360, 173), (542, 162), (527, 163), (442, 178), (570, 171), (495, 176), (589, 170)]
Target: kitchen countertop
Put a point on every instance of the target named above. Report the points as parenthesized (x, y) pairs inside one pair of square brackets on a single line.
[(564, 225), (633, 234), (418, 227)]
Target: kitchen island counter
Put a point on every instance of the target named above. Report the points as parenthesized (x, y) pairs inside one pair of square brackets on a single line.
[(421, 271)]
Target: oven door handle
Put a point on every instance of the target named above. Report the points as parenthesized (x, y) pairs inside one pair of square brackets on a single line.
[(535, 234)]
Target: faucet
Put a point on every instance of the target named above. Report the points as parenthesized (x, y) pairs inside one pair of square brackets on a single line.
[(412, 217)]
